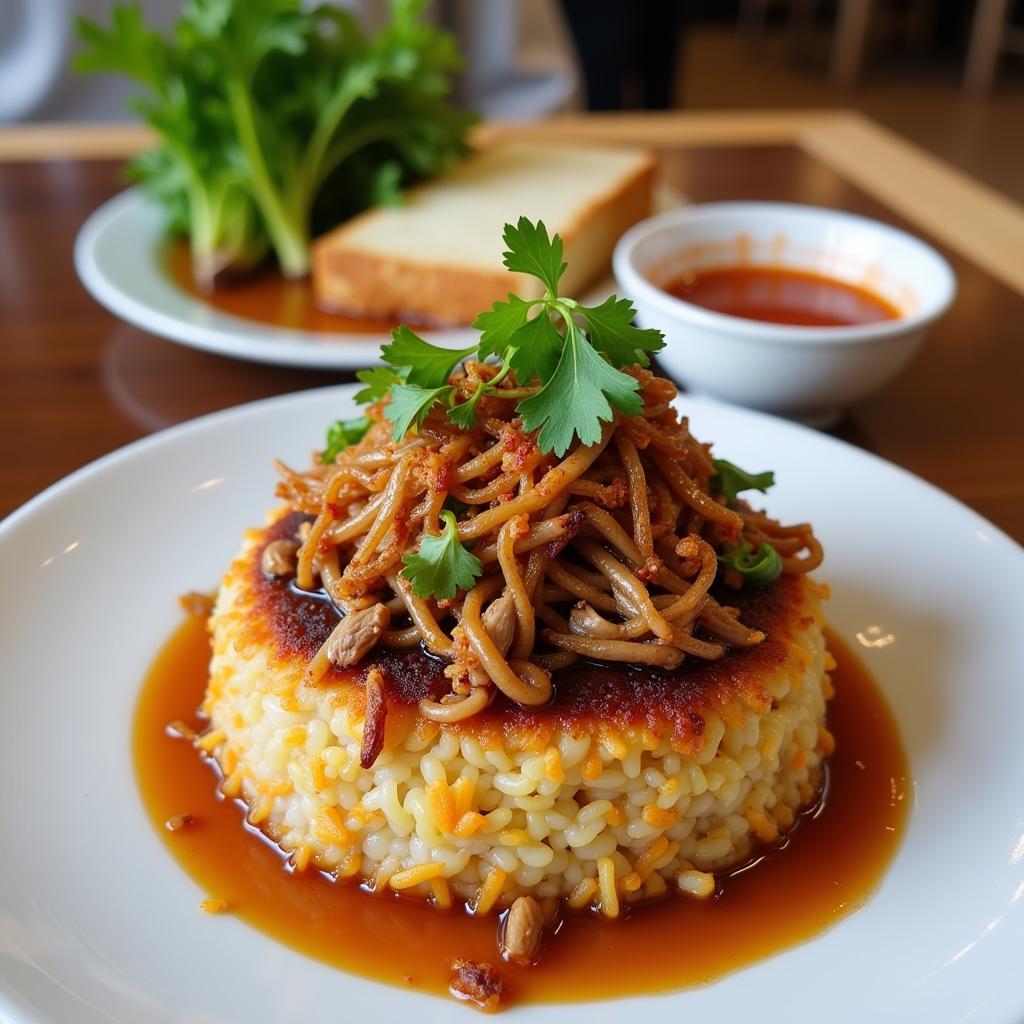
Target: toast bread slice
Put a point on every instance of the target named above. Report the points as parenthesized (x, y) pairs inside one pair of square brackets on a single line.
[(437, 257)]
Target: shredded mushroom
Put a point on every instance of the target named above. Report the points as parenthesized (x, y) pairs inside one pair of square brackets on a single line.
[(609, 552)]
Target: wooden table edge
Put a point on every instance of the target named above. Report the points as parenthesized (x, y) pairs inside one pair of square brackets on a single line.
[(976, 221)]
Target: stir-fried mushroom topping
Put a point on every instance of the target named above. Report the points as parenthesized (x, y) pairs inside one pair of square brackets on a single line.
[(376, 718), (500, 622), (475, 983), (585, 620), (356, 634), (521, 932), (278, 557)]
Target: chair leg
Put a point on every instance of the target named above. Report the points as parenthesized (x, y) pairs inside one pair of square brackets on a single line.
[(983, 49), (800, 27), (848, 42), (752, 17)]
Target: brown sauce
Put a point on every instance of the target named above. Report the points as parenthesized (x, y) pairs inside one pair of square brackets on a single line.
[(266, 297), (295, 625), (829, 866), (778, 295)]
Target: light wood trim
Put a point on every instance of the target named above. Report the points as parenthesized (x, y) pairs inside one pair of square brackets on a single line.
[(976, 221), (689, 128), (705, 128), (58, 141)]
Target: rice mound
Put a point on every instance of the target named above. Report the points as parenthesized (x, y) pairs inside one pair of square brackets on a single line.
[(599, 812)]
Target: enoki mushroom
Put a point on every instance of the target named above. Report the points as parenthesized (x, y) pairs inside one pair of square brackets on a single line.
[(607, 553)]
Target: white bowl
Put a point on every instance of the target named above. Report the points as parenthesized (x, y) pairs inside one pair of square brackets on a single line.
[(807, 373)]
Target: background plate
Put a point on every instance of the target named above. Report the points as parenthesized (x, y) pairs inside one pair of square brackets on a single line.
[(98, 923), (118, 257)]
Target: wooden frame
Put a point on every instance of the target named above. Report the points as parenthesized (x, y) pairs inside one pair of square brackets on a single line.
[(978, 222)]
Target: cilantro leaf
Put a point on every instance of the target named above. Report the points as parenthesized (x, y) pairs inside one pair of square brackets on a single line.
[(420, 363), (499, 323), (729, 480), (537, 347), (575, 401), (442, 566), (530, 251), (611, 331), (463, 415), (759, 566), (409, 406), (377, 381), (342, 433)]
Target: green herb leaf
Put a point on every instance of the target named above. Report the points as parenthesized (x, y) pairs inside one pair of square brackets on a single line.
[(463, 415), (729, 480), (758, 567), (378, 382), (442, 566), (420, 363), (342, 433), (575, 401), (530, 251), (611, 331), (538, 346), (128, 47), (498, 324), (409, 406)]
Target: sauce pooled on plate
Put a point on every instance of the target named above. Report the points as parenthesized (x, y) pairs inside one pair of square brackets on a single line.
[(826, 867)]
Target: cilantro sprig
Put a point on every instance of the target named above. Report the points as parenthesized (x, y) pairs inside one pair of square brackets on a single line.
[(564, 362), (567, 358), (442, 566)]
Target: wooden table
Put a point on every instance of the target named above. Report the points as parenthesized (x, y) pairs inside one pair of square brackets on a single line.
[(79, 383)]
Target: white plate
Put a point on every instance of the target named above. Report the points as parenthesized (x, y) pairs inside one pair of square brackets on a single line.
[(118, 259), (98, 923)]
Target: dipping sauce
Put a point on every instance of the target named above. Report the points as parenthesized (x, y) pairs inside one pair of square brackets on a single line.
[(267, 297), (779, 295), (826, 867)]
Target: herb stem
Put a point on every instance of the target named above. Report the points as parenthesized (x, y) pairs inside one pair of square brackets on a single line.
[(313, 171), (290, 240), (352, 143)]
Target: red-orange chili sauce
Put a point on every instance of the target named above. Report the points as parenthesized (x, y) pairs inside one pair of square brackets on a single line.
[(828, 867), (267, 297), (779, 295)]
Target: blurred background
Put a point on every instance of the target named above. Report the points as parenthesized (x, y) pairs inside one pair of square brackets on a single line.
[(946, 74)]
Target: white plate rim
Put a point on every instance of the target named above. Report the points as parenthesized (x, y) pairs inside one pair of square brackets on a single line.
[(192, 323)]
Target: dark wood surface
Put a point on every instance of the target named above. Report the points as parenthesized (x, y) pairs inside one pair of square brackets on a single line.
[(79, 383)]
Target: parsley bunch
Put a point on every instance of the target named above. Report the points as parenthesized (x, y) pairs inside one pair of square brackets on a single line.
[(567, 358), (277, 118)]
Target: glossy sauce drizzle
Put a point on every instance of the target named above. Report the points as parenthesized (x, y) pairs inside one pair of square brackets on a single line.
[(827, 868), (780, 295), (267, 297)]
